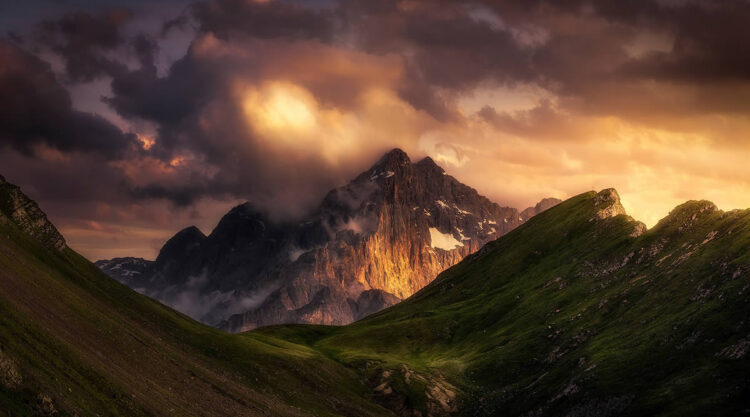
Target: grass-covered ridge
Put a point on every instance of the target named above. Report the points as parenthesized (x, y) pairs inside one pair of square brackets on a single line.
[(577, 312), (574, 314)]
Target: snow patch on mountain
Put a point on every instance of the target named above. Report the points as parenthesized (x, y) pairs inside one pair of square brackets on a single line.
[(385, 174), (461, 234), (443, 241)]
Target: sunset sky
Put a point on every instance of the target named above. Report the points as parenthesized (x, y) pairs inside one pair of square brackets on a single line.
[(128, 121)]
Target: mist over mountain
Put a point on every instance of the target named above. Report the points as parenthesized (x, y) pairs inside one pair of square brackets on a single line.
[(370, 243)]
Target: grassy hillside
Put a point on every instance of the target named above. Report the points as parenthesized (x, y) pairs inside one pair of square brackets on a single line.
[(578, 312), (77, 342), (574, 314)]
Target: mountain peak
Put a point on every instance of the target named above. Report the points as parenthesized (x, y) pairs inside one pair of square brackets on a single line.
[(246, 210), (393, 158), (696, 207), (608, 204), (688, 214), (181, 243), (428, 162), (191, 231)]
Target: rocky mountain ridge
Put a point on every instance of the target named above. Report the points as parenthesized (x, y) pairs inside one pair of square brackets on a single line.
[(370, 243)]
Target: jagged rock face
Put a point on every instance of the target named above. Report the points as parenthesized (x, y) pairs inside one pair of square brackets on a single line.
[(17, 208), (402, 223), (371, 243), (608, 204), (391, 230), (127, 270)]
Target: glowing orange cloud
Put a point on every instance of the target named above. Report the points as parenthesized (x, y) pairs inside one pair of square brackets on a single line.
[(281, 108), (286, 116)]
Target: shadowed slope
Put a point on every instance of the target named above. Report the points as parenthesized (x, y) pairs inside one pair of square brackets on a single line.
[(75, 341)]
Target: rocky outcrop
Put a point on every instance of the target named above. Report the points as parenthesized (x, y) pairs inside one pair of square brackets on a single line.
[(370, 243), (10, 376), (436, 396), (18, 209), (608, 204)]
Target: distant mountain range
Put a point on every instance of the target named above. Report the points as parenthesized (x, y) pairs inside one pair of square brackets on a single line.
[(580, 311), (370, 244)]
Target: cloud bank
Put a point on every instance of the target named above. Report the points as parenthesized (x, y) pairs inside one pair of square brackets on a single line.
[(278, 101)]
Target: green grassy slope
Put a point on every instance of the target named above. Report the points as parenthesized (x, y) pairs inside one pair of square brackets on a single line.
[(79, 342), (572, 314)]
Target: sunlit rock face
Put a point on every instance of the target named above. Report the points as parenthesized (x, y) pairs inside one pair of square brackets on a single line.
[(370, 244), (377, 237)]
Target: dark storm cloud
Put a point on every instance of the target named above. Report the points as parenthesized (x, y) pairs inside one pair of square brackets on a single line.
[(35, 109), (265, 20), (443, 44), (710, 44), (196, 112), (165, 100), (195, 109), (83, 39), (191, 81), (579, 52), (575, 49), (145, 49), (709, 37)]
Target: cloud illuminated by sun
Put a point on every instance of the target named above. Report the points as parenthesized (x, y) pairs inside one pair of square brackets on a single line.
[(286, 116), (146, 142), (280, 107)]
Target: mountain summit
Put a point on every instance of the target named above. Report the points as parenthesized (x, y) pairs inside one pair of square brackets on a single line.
[(370, 243)]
